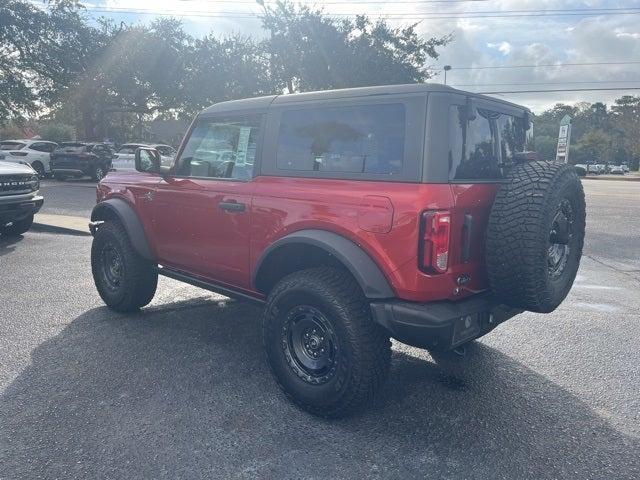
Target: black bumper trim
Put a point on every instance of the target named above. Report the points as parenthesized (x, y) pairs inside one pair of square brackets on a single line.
[(12, 212), (441, 325)]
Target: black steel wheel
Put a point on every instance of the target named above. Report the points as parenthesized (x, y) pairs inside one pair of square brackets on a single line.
[(560, 238), (324, 350), (112, 268), (310, 345)]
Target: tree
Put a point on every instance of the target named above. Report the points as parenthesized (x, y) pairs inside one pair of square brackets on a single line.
[(224, 69), (309, 50), (41, 49), (595, 146), (626, 117)]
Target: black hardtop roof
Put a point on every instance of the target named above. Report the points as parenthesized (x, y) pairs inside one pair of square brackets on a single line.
[(261, 103)]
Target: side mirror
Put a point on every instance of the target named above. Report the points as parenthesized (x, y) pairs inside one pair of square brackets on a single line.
[(147, 160)]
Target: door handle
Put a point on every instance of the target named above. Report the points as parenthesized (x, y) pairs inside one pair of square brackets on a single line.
[(232, 206)]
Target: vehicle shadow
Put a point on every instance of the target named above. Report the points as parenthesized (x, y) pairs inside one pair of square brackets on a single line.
[(7, 244), (182, 391)]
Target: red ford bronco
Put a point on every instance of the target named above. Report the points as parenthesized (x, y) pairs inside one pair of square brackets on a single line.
[(415, 212)]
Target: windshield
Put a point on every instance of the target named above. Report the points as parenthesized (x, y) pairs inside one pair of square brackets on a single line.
[(11, 145)]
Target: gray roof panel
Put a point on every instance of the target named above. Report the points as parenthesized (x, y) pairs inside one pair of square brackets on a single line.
[(262, 103)]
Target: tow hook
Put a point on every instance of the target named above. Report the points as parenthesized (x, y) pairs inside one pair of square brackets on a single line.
[(93, 226)]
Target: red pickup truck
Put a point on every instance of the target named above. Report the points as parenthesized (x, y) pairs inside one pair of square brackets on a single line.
[(416, 212)]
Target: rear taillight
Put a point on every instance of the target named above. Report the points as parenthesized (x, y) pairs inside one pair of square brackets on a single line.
[(18, 154), (433, 251)]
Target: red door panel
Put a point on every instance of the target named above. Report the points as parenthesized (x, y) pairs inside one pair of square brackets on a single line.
[(202, 227)]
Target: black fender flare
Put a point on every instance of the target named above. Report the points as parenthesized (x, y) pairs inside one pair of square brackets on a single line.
[(364, 269), (120, 209)]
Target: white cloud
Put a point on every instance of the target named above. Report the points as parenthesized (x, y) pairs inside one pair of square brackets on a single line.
[(502, 47)]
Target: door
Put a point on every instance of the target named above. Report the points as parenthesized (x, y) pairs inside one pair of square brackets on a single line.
[(41, 151), (203, 208)]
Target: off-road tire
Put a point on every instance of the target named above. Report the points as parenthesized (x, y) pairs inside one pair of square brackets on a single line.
[(518, 235), (364, 349), (139, 276), (18, 227)]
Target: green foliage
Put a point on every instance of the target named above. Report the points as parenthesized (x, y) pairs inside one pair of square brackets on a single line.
[(598, 134), (41, 50), (56, 132), (107, 79), (546, 146), (309, 50)]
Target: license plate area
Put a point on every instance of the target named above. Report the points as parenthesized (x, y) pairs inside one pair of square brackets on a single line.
[(466, 328)]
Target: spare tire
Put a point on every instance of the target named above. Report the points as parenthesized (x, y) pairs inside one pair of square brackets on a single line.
[(535, 235)]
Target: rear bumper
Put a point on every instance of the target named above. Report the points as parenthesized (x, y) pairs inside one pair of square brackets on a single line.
[(15, 209), (441, 325)]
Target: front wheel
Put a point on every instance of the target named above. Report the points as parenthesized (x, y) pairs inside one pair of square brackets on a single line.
[(18, 227), (324, 350), (125, 280)]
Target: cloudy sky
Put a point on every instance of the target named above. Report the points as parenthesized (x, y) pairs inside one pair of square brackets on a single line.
[(538, 32)]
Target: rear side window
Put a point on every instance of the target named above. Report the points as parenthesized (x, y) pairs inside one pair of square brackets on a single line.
[(366, 139), (473, 145), (128, 149), (71, 148), (11, 145), (514, 137)]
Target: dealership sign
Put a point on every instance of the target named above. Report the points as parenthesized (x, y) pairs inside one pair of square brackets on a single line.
[(564, 137)]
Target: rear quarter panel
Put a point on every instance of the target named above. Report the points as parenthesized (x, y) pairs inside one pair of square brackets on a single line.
[(282, 205)]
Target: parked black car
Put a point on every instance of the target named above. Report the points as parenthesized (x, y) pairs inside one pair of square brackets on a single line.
[(20, 197), (81, 159)]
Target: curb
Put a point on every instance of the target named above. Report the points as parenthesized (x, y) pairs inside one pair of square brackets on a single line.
[(614, 179), (61, 224)]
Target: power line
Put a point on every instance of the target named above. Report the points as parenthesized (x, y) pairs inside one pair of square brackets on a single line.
[(541, 83), (491, 67), (562, 90), (344, 2), (427, 16)]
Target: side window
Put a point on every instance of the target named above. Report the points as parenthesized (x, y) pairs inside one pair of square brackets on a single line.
[(354, 139), (514, 138), (221, 148), (473, 153), (40, 147), (127, 150)]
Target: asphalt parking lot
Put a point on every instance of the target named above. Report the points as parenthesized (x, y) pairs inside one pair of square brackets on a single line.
[(181, 390)]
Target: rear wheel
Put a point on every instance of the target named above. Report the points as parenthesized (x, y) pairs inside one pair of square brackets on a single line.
[(323, 348), (125, 280), (18, 227), (98, 173)]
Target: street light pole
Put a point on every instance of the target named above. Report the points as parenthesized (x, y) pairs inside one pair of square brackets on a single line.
[(446, 69)]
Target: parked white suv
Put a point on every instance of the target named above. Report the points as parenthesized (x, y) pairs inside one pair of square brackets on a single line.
[(36, 153)]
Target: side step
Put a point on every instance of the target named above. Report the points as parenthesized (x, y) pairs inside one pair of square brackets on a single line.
[(212, 287)]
